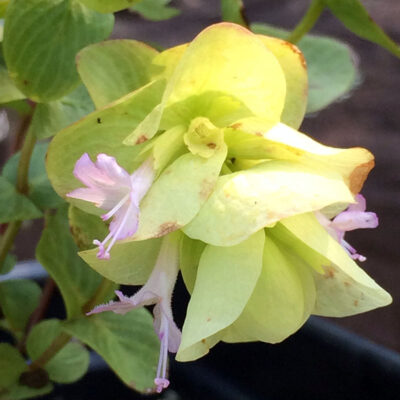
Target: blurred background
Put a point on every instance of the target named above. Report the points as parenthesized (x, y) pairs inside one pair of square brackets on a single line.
[(369, 117)]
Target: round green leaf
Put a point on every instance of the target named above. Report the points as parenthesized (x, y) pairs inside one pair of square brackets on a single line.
[(49, 118), (40, 191), (12, 365), (41, 57), (108, 6), (155, 10), (9, 91), (114, 68), (332, 71), (127, 342), (18, 300), (69, 364), (100, 132), (76, 281)]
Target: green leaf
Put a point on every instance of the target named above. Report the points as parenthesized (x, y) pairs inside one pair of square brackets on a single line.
[(18, 300), (13, 205), (130, 263), (114, 68), (225, 280), (9, 91), (9, 263), (155, 10), (20, 392), (127, 342), (178, 194), (41, 57), (108, 6), (3, 9), (260, 196), (12, 365), (49, 118), (40, 191), (344, 289), (282, 299), (100, 132), (354, 16), (330, 63), (76, 281), (21, 106), (69, 364), (233, 11), (85, 228)]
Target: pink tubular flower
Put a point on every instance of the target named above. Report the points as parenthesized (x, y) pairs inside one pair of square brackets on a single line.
[(157, 290), (111, 188), (355, 217)]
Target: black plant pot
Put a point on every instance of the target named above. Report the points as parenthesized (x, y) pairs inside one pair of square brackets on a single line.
[(321, 361)]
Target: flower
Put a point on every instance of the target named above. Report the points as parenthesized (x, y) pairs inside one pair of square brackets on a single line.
[(354, 217), (158, 290), (111, 188)]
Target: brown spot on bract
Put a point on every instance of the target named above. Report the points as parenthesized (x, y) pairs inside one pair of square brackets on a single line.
[(330, 272), (238, 125), (258, 134), (356, 303), (347, 284), (25, 82), (207, 186), (359, 175), (211, 145), (203, 341), (141, 139), (166, 228), (208, 319)]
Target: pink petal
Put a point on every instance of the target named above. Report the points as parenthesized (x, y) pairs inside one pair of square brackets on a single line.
[(88, 194), (360, 205), (350, 220), (125, 221), (141, 180), (109, 166)]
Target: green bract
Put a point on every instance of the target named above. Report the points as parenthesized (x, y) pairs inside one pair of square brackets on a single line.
[(218, 120)]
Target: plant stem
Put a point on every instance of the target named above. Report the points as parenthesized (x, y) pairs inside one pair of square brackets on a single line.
[(98, 297), (307, 22), (56, 345), (23, 166), (38, 314), (7, 240)]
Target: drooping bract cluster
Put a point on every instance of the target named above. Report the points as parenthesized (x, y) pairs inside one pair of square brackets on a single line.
[(247, 207)]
